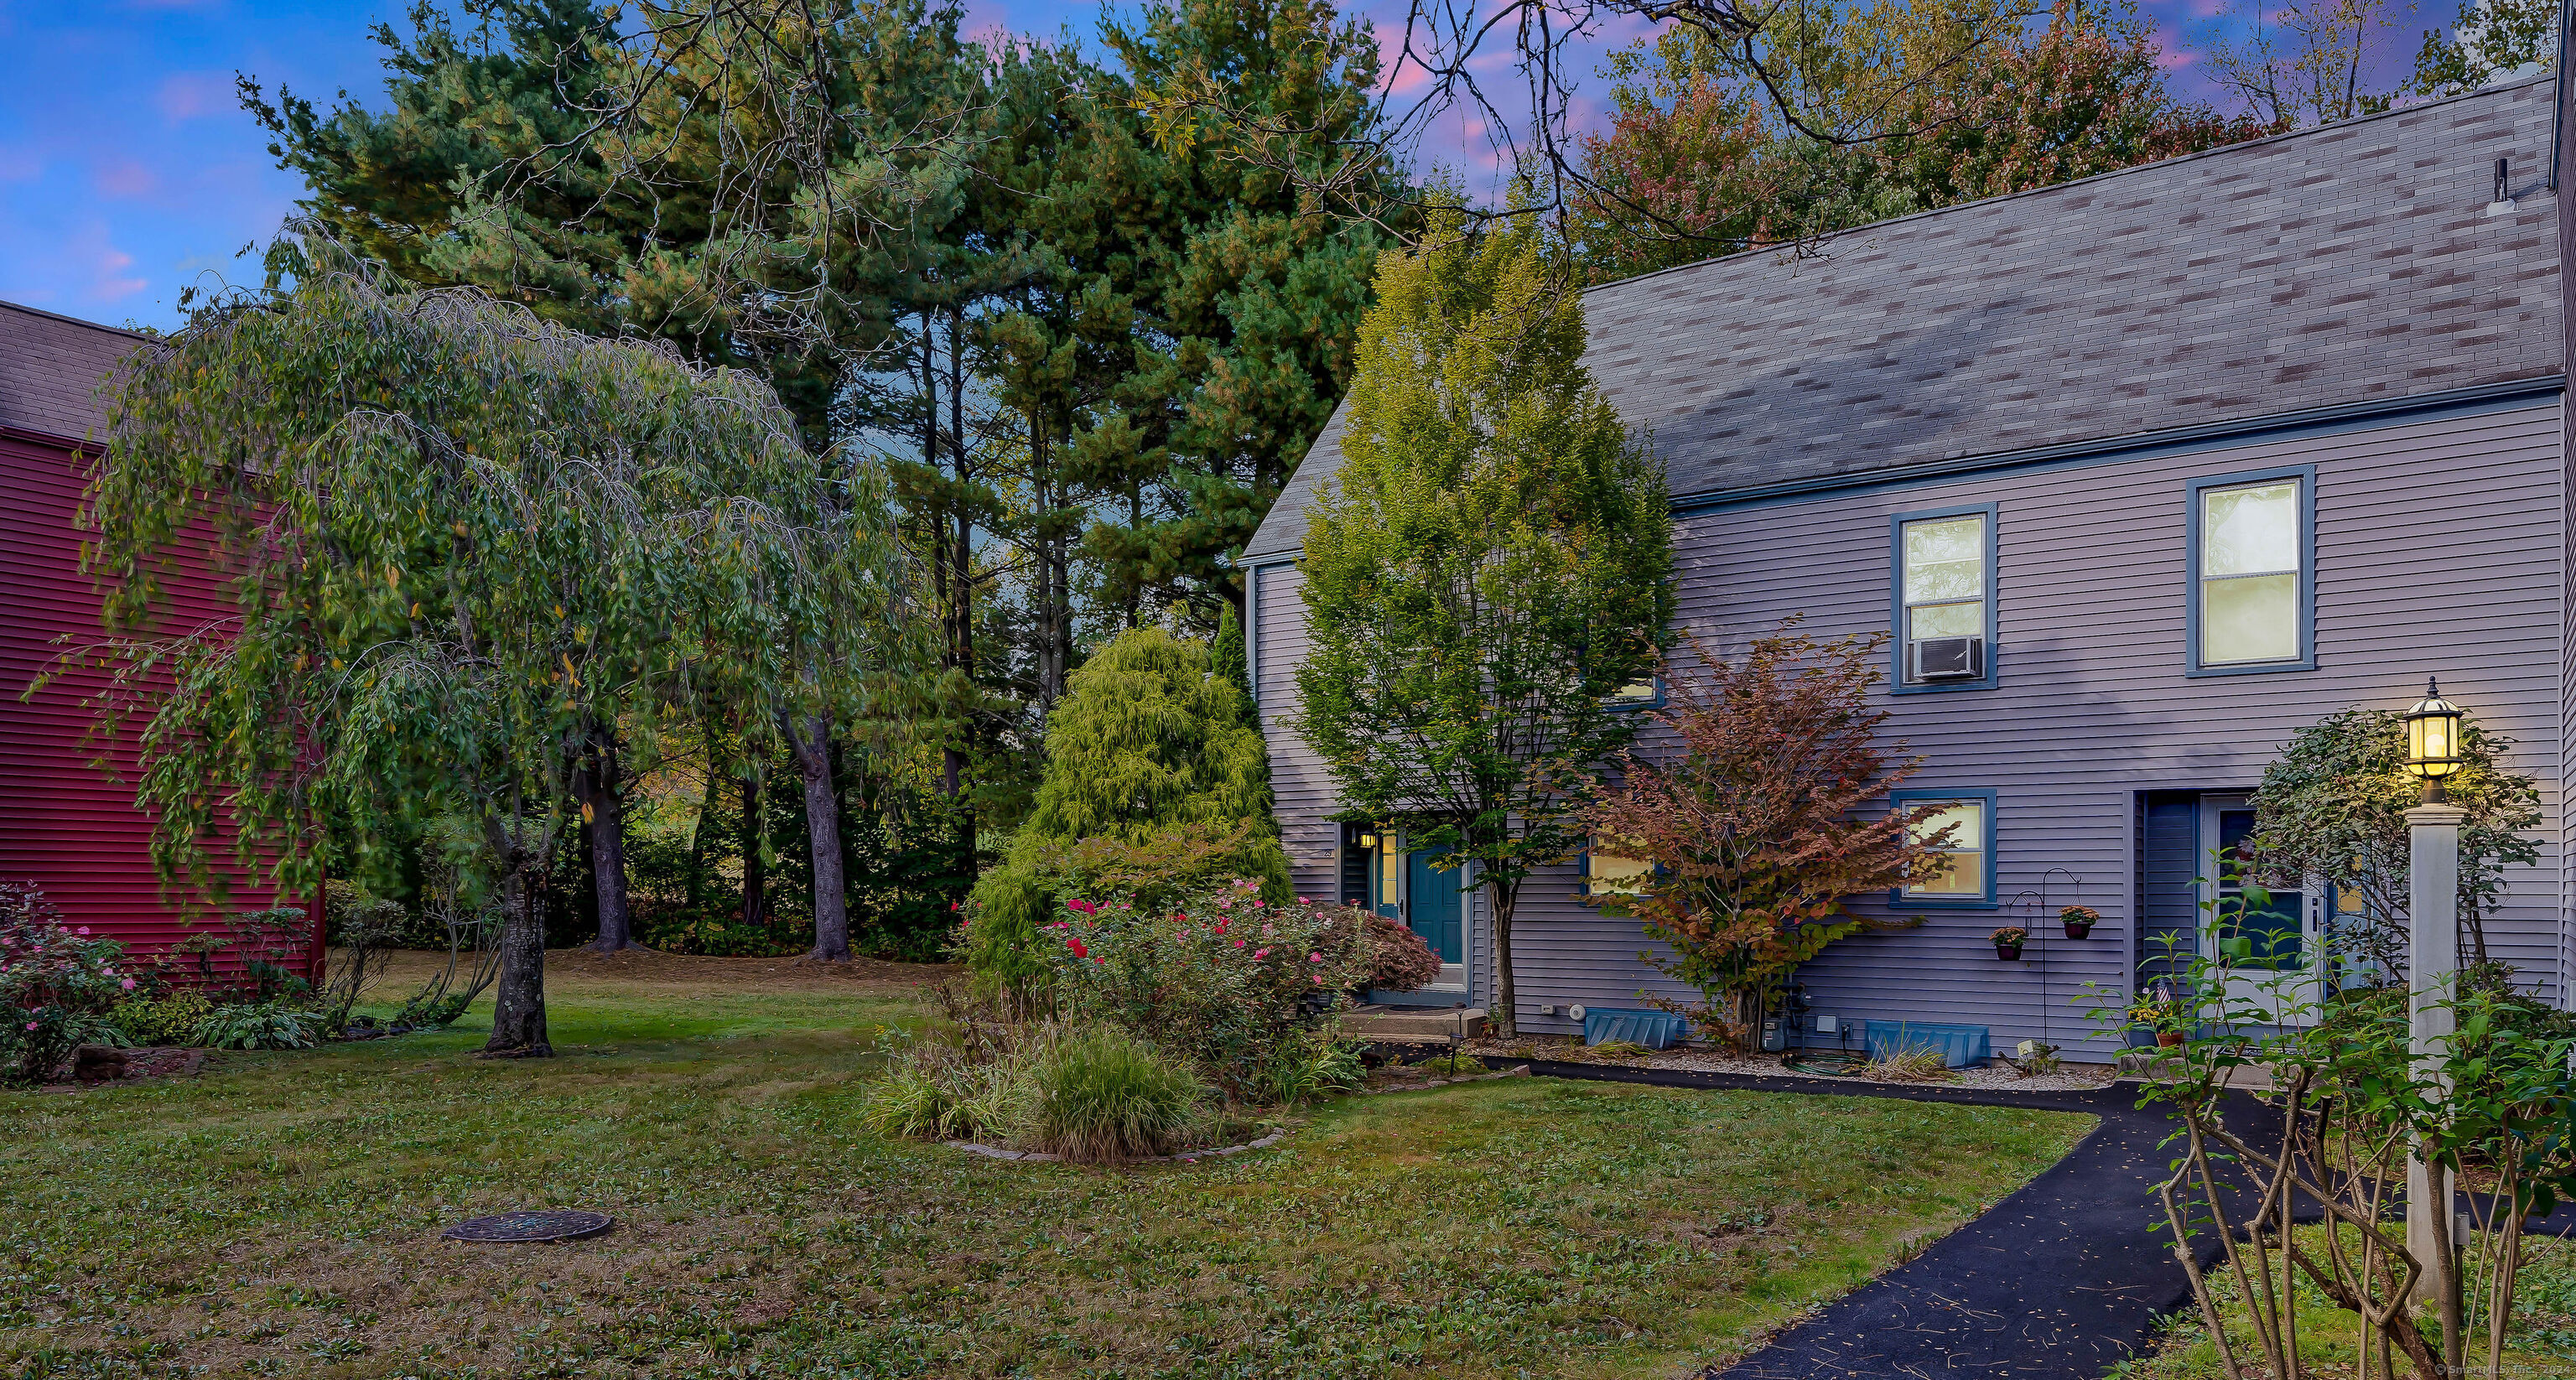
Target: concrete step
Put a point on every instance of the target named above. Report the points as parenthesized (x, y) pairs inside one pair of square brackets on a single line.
[(1414, 1023)]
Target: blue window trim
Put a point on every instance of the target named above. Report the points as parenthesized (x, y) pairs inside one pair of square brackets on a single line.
[(1583, 870), (1653, 701), (1898, 896), (2307, 614), (1896, 684)]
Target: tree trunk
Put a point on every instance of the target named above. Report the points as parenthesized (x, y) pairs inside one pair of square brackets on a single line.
[(602, 787), (519, 995), (755, 884), (813, 749), (1502, 895), (698, 839)]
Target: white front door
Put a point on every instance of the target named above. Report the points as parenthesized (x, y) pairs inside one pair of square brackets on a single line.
[(2277, 965)]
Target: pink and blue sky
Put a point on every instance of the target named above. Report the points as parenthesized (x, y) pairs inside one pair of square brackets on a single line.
[(128, 171)]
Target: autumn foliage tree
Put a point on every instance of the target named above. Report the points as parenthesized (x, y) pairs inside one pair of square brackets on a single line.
[(1697, 161), (1764, 823)]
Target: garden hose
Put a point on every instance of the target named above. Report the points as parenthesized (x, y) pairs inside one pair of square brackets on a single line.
[(1836, 1063)]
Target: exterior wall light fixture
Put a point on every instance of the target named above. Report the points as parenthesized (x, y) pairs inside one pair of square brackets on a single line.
[(2433, 740)]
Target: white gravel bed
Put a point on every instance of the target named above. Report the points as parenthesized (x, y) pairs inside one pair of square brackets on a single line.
[(1997, 1075)]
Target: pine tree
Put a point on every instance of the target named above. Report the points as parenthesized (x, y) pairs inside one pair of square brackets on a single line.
[(1491, 565), (1253, 315)]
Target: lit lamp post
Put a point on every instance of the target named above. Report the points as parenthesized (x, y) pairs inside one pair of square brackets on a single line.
[(2432, 955)]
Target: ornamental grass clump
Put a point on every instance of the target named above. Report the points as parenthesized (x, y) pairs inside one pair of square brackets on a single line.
[(938, 1095), (1101, 1094)]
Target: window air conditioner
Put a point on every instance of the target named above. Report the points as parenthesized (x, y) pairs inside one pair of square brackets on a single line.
[(1948, 658)]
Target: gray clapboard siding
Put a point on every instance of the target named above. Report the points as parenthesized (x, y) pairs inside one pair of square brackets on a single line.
[(1299, 785), (2440, 548)]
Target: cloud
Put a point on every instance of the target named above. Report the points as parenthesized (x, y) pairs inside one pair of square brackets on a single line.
[(106, 283), (193, 95), (124, 178)]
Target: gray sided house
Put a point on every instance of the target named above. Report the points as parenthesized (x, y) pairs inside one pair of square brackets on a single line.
[(2143, 472)]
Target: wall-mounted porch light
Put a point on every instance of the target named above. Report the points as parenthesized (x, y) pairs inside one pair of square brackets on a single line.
[(2433, 740)]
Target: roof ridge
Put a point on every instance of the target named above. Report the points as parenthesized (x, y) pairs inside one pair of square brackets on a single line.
[(1795, 247), (76, 321)]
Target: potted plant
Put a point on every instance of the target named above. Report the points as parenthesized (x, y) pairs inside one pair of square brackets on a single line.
[(2079, 920), (2160, 1010), (2008, 941)]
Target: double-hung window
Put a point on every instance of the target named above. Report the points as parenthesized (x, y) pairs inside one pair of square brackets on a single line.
[(1609, 872), (1959, 827), (2252, 586), (1944, 606)]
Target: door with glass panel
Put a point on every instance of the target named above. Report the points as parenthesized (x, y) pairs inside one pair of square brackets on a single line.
[(2280, 927), (1405, 886)]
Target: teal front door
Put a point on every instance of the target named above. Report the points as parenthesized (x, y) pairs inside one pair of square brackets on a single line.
[(1433, 907)]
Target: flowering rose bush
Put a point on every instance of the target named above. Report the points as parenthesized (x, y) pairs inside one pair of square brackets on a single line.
[(1224, 980), (57, 983)]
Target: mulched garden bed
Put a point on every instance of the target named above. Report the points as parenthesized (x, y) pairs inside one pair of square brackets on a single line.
[(96, 1066)]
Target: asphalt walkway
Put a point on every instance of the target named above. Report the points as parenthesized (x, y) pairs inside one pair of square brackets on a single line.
[(2061, 1280)]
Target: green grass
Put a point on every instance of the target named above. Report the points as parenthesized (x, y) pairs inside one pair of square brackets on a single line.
[(279, 1215), (2540, 1342)]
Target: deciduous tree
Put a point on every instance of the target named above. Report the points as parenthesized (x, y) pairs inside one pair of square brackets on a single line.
[(461, 538), (1491, 564), (1762, 815), (2332, 807)]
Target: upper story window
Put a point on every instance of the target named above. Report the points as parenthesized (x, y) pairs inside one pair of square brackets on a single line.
[(1944, 587), (2252, 587)]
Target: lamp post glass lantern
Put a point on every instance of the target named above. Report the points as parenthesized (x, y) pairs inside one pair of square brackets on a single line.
[(2433, 740)]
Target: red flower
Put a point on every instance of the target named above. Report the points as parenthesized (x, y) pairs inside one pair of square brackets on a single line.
[(1079, 950)]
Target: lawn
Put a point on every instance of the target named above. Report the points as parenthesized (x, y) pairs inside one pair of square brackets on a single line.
[(280, 1213), (2540, 1343)]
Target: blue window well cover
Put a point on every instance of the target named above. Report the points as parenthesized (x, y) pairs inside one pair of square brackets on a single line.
[(1960, 1045), (1653, 1029)]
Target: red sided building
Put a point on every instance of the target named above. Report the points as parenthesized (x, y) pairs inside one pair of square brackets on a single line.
[(66, 823)]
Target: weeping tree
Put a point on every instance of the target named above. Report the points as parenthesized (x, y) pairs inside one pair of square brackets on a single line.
[(460, 540), (1491, 566)]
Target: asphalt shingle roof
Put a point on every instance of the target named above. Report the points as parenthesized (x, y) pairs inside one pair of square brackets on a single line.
[(50, 370), (2347, 263)]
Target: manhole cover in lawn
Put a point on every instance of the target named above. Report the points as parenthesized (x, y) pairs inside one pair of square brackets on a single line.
[(535, 1224)]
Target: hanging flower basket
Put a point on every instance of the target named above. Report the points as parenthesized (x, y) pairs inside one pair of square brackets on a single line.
[(2079, 920), (2008, 942)]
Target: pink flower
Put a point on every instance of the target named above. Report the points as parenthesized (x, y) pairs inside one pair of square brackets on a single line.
[(31, 1025), (1238, 943), (83, 931), (1080, 906), (128, 984), (1261, 953), (1319, 979), (1222, 902), (1314, 958), (1304, 902)]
